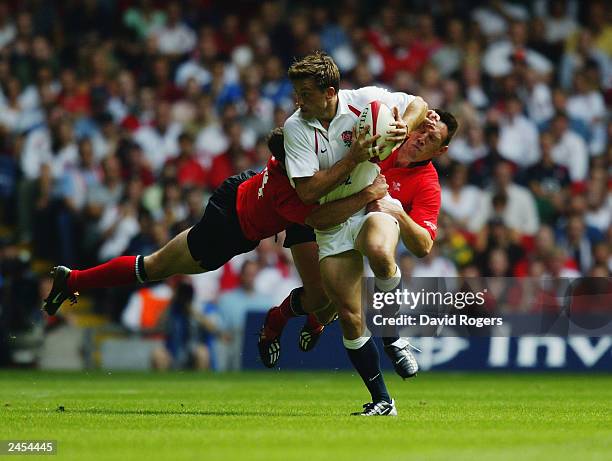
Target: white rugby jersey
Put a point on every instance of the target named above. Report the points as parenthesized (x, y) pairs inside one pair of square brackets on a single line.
[(309, 147)]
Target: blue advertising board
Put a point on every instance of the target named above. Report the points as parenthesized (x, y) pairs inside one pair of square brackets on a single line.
[(538, 353)]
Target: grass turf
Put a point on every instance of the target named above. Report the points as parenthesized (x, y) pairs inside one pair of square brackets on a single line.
[(285, 416)]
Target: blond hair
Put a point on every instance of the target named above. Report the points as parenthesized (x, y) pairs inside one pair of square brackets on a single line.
[(318, 66)]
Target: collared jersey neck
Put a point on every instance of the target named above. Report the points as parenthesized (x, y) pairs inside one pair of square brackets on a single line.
[(341, 109), (421, 163)]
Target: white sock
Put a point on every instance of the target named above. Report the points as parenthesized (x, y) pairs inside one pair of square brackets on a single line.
[(355, 343), (391, 283)]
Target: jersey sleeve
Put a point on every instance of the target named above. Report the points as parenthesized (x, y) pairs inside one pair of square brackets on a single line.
[(300, 158), (397, 99), (426, 206)]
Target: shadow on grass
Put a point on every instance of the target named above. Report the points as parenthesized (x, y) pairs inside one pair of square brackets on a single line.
[(109, 412)]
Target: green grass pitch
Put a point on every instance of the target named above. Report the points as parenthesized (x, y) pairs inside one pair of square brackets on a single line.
[(304, 416)]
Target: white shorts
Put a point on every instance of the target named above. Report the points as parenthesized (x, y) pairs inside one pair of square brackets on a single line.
[(342, 238)]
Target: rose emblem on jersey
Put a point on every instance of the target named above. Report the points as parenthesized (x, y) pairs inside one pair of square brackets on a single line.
[(347, 138)]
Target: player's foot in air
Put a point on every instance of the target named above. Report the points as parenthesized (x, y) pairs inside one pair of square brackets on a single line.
[(59, 291), (311, 332), (403, 360), (382, 408), (269, 340)]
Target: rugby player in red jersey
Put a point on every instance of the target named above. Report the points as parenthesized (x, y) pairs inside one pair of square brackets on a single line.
[(245, 209), (412, 180)]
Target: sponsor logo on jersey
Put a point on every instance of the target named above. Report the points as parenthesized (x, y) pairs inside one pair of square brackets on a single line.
[(431, 225)]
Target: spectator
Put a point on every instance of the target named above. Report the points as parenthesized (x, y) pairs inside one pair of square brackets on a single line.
[(559, 23), (174, 38), (575, 241), (514, 204), (518, 135), (189, 172), (233, 308), (145, 312), (210, 139), (497, 238), (539, 98), (588, 105), (118, 224), (569, 150), (499, 56), (469, 148), (8, 31), (599, 201), (160, 140), (548, 182), (434, 265), (459, 199), (229, 162), (182, 347), (449, 56), (256, 114), (276, 86), (144, 18)]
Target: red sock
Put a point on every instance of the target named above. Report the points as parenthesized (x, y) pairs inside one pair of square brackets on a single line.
[(278, 317), (117, 271), (313, 323)]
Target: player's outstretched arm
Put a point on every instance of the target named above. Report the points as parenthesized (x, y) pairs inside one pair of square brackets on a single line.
[(336, 212), (413, 116), (311, 189), (415, 237), (415, 113)]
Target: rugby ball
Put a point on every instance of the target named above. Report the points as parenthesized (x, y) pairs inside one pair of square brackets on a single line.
[(379, 117)]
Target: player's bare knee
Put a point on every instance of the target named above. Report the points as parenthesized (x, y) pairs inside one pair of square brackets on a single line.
[(348, 318), (154, 266), (381, 261)]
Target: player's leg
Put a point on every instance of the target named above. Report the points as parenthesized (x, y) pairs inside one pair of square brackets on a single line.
[(341, 275), (319, 310), (305, 300), (377, 240), (173, 258), (306, 260), (206, 246)]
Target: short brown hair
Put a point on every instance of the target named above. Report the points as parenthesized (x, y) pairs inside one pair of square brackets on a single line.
[(276, 144), (320, 67), (451, 124)]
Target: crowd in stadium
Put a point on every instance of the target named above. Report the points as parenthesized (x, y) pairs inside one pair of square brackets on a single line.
[(118, 119)]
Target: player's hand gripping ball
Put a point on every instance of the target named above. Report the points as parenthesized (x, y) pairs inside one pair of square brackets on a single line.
[(380, 119)]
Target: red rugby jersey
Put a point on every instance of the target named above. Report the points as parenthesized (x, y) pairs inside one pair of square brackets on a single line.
[(418, 188), (266, 203)]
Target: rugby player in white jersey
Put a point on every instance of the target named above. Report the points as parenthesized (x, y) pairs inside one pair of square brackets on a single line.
[(326, 161)]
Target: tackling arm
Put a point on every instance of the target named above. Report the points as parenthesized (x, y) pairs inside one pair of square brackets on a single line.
[(334, 213), (415, 113), (311, 189), (415, 237)]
